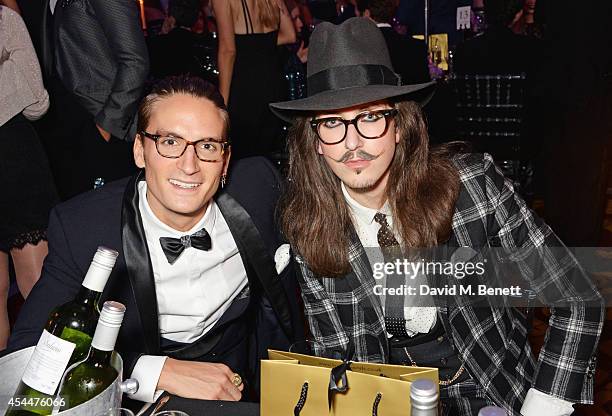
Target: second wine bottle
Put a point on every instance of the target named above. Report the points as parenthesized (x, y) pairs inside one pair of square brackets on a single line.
[(92, 376)]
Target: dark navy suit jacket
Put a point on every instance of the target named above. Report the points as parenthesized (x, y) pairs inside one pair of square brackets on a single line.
[(109, 216)]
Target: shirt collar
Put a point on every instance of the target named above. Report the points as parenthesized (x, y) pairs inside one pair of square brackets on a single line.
[(383, 25), (156, 228), (364, 214)]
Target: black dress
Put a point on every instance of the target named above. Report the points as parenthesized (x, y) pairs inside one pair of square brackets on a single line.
[(256, 82), (28, 192)]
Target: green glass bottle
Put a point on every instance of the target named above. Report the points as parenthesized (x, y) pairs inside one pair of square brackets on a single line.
[(92, 376), (65, 340)]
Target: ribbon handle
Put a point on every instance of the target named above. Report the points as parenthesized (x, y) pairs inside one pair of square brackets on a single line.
[(338, 383)]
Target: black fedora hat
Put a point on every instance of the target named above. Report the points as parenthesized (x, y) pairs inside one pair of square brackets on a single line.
[(348, 65)]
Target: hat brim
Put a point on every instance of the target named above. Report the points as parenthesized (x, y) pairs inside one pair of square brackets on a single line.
[(349, 97)]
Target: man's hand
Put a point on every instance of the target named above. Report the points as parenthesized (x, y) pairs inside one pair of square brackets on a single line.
[(197, 380), (105, 135)]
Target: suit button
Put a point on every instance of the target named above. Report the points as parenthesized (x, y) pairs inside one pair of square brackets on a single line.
[(440, 339), (443, 361)]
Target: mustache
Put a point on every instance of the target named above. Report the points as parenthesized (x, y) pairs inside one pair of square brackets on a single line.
[(360, 154)]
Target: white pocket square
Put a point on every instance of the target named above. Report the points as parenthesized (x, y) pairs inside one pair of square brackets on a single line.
[(282, 257)]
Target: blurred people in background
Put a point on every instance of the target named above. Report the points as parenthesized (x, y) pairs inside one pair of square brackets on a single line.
[(497, 50), (175, 53), (442, 17), (294, 56), (96, 61), (249, 71), (28, 193), (155, 15), (408, 55), (525, 21), (300, 15), (206, 21), (305, 13)]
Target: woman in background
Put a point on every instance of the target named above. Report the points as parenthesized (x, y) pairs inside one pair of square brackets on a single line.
[(249, 69), (525, 22), (27, 187)]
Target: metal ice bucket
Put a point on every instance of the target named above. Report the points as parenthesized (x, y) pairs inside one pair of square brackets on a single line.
[(13, 365)]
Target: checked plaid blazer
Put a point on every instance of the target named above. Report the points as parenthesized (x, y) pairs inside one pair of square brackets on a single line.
[(345, 315)]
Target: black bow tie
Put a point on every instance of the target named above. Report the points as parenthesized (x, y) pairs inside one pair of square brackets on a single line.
[(173, 247)]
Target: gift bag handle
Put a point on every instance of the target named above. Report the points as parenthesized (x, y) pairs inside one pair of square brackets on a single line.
[(302, 400), (376, 403), (304, 395)]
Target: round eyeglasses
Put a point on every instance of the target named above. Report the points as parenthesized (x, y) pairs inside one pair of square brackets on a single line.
[(173, 147), (370, 125)]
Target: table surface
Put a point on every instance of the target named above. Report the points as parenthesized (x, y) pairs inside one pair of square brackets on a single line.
[(208, 407)]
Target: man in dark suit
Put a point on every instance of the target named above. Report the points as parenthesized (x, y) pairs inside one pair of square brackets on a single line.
[(195, 317), (95, 64), (408, 55)]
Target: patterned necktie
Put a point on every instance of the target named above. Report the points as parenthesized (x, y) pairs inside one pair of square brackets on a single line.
[(385, 236), (174, 247), (394, 305)]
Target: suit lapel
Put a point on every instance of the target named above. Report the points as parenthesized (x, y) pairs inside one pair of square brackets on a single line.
[(252, 248), (138, 264), (361, 281), (140, 271)]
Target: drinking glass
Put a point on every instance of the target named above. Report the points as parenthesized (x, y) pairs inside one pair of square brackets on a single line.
[(116, 411), (171, 413)]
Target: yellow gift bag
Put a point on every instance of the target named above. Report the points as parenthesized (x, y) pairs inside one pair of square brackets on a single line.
[(302, 385)]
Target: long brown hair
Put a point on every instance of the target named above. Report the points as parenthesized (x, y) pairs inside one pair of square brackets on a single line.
[(422, 189), (269, 13)]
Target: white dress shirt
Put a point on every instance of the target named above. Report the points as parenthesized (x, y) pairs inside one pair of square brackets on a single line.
[(194, 292), (536, 403), (418, 319)]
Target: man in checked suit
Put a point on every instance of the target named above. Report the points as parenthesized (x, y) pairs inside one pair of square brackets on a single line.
[(95, 63), (363, 181)]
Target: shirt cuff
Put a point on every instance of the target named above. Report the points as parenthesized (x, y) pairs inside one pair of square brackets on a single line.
[(147, 370), (540, 404)]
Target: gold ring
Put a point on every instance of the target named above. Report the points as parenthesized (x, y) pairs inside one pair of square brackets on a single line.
[(236, 380)]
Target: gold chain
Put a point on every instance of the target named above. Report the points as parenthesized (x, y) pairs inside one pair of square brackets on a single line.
[(441, 382), (454, 378)]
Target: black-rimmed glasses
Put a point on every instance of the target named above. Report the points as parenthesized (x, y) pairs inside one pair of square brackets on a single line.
[(173, 147), (370, 125)]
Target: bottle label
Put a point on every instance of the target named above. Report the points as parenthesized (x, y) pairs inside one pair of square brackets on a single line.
[(81, 340), (48, 363)]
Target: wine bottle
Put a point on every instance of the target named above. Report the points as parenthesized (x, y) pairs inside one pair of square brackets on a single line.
[(423, 398), (65, 340), (92, 376)]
